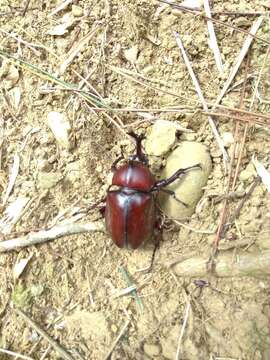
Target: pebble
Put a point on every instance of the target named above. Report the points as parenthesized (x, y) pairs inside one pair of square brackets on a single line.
[(77, 11), (248, 173), (151, 349), (131, 54), (48, 180), (189, 188), (161, 138), (227, 139)]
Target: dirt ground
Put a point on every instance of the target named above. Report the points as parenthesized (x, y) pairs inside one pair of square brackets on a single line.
[(128, 59)]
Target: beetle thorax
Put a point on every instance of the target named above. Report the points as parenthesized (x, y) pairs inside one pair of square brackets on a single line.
[(134, 175)]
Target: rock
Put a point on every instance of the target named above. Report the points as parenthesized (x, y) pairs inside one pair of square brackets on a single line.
[(242, 21), (161, 138), (151, 349), (188, 188), (131, 54), (227, 139), (77, 11), (248, 173), (60, 128), (48, 180)]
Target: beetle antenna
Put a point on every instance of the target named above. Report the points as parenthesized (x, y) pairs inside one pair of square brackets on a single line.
[(139, 152)]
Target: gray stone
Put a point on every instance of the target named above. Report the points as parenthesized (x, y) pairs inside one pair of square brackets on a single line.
[(189, 187)]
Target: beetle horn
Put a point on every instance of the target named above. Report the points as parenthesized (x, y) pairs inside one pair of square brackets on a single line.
[(139, 153)]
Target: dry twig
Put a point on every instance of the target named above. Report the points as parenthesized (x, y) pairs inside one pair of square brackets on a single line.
[(59, 349), (201, 97), (51, 234), (213, 39), (16, 355), (123, 330)]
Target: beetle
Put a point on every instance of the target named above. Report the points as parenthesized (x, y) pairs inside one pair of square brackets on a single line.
[(130, 210)]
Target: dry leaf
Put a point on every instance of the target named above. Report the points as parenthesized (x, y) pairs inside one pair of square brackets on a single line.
[(60, 128), (131, 54), (9, 73), (20, 266), (15, 95), (12, 214), (66, 23), (192, 4), (262, 172)]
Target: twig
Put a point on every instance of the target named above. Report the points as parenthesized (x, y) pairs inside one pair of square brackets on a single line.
[(51, 234), (123, 330), (26, 7), (12, 353), (215, 20), (213, 39), (237, 211), (231, 179), (130, 283), (61, 7), (197, 231), (240, 58), (12, 178), (43, 357), (178, 352), (59, 349), (76, 49), (201, 97)]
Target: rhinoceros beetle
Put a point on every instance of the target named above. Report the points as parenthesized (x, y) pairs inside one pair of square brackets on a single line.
[(131, 211)]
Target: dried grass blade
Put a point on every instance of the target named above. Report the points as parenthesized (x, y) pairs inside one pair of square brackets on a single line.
[(241, 56), (201, 97), (212, 37), (13, 176), (76, 49)]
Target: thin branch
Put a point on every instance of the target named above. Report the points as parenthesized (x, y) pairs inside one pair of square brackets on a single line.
[(12, 353), (51, 234), (241, 56), (178, 352), (216, 21), (123, 330), (59, 349), (201, 97), (212, 38)]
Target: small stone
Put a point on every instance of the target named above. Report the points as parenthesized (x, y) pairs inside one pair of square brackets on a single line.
[(242, 21), (77, 11), (44, 165), (48, 180), (131, 54), (151, 350), (227, 139), (248, 173), (216, 152), (114, 328), (189, 187), (161, 138), (188, 136)]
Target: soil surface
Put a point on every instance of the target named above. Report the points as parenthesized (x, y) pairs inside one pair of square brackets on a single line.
[(123, 54)]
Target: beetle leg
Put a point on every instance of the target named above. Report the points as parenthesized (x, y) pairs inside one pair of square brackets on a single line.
[(172, 193), (116, 161), (162, 183)]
